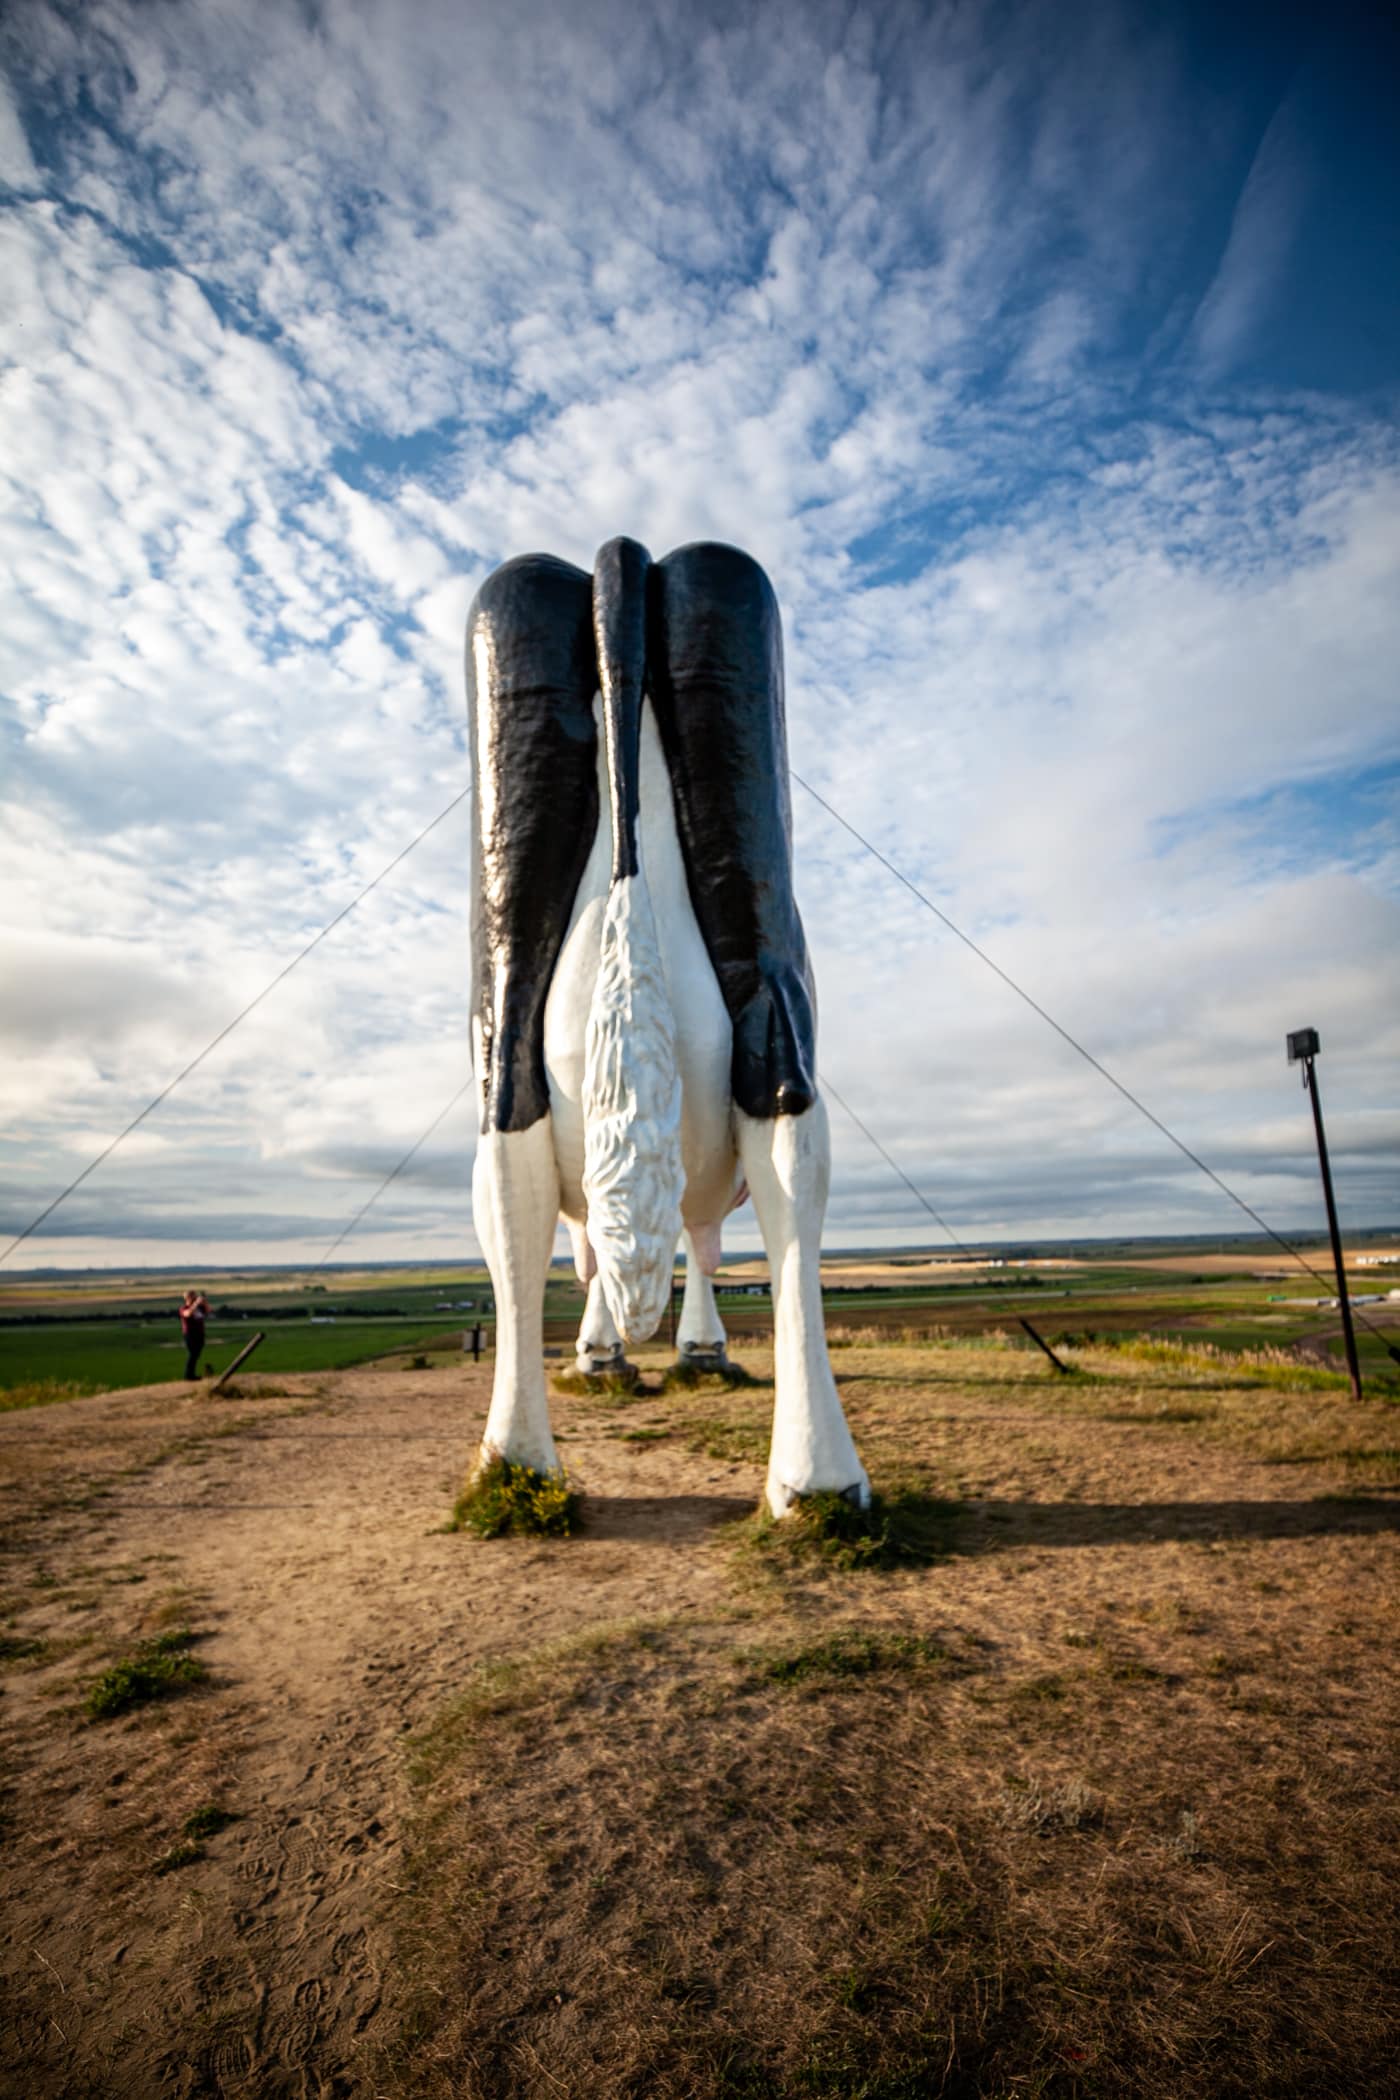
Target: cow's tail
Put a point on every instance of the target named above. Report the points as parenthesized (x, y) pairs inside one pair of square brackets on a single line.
[(633, 1177)]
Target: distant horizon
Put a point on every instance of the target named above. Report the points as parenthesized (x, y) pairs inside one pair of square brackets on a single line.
[(1305, 1239)]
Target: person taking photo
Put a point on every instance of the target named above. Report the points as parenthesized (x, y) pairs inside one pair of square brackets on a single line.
[(194, 1311)]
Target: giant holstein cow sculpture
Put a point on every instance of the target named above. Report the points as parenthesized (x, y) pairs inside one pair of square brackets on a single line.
[(643, 1026)]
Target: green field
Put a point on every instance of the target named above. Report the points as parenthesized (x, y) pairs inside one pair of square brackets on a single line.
[(98, 1334), (101, 1357)]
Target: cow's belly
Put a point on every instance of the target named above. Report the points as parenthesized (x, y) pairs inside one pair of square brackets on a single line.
[(704, 1037)]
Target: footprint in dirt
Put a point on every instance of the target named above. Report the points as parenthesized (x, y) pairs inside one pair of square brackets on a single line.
[(222, 2065), (290, 2032), (351, 1959)]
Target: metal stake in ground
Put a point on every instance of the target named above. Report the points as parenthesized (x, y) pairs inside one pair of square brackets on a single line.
[(1303, 1046), (242, 1357), (1041, 1343)]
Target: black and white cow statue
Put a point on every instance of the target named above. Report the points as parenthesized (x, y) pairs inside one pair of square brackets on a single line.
[(643, 1025)]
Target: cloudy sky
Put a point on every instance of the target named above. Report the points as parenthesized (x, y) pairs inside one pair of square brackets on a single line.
[(1048, 356)]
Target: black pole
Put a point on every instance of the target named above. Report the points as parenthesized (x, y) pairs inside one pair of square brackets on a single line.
[(242, 1357), (1348, 1331), (1041, 1343)]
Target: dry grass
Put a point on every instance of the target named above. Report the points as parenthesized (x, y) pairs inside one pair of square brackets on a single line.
[(884, 1866), (1093, 1800), (1261, 1401), (69, 1457), (1207, 1365), (39, 1392)]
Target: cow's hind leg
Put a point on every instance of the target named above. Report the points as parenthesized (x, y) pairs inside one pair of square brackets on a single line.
[(515, 1202), (787, 1160)]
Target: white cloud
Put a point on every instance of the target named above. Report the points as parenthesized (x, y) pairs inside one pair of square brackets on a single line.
[(1256, 254), (16, 162), (312, 325)]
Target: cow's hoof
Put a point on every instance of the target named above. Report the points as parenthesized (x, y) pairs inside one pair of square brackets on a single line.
[(599, 1356), (705, 1371), (696, 1356), (785, 1501)]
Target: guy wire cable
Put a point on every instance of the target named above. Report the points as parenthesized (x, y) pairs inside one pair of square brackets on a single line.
[(229, 1027), (899, 876), (441, 1116), (917, 1194), (1087, 1055)]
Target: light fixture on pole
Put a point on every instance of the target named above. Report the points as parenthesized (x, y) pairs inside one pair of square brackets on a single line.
[(1303, 1047)]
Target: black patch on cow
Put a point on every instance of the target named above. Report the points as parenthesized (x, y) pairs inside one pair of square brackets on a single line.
[(714, 671), (531, 677), (620, 634), (715, 676)]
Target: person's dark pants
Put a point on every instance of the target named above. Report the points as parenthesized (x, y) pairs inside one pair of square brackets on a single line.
[(194, 1349)]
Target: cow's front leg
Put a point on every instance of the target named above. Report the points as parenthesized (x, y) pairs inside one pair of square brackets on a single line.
[(515, 1202), (788, 1164), (599, 1345)]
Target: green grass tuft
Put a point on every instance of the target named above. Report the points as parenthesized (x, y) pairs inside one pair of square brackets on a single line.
[(504, 1499), (597, 1385), (908, 1527), (155, 1670), (182, 1855), (683, 1377), (732, 1442), (208, 1821), (851, 1652), (20, 1647)]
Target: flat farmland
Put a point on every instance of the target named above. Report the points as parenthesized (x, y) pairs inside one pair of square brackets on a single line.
[(58, 1338)]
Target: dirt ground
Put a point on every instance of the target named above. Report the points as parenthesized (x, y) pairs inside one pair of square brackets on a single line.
[(339, 1615), (296, 1530)]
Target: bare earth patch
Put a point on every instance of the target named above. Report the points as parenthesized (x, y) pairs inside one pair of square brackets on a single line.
[(1099, 1801)]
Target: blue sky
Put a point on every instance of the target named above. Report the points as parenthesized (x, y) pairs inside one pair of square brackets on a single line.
[(1048, 357)]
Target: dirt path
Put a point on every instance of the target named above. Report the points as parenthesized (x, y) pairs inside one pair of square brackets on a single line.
[(299, 1535), (339, 1615)]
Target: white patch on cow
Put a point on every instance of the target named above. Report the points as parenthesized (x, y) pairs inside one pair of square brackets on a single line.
[(633, 1175)]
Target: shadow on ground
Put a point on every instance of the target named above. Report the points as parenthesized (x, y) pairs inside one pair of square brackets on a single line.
[(668, 1520), (994, 1525)]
